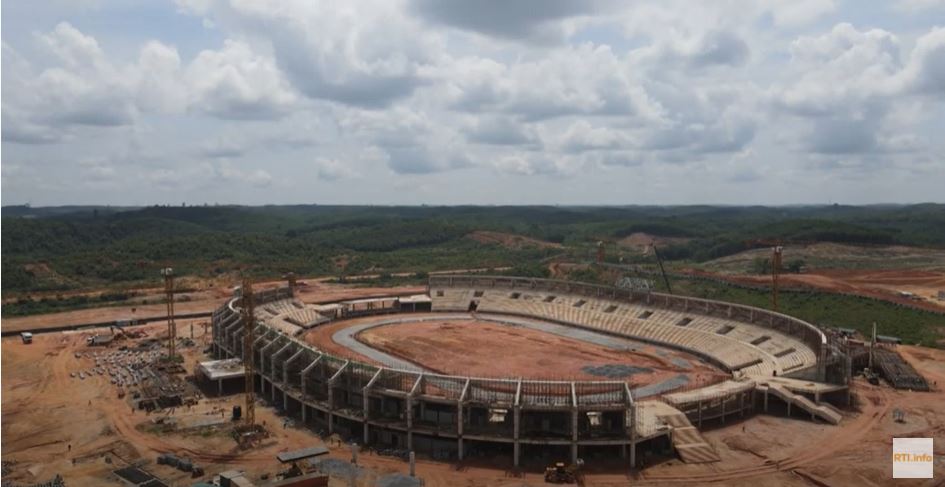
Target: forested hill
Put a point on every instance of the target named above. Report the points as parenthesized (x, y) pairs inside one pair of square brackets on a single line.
[(46, 249)]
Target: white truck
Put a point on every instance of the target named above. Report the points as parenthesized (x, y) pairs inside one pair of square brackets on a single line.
[(27, 337)]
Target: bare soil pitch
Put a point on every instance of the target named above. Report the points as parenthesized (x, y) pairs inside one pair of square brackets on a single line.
[(486, 349)]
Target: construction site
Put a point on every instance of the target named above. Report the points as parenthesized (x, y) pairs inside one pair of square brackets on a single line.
[(471, 380)]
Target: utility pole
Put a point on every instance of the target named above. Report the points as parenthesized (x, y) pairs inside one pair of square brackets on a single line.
[(249, 360), (168, 274)]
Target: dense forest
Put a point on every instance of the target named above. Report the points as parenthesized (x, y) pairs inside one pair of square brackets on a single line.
[(64, 248)]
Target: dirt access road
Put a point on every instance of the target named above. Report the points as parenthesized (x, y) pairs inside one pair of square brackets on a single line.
[(313, 291)]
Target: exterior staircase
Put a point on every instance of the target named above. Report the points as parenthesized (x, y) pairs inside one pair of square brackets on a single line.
[(822, 411), (688, 442)]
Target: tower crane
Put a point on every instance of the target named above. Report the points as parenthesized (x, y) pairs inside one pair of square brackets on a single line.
[(168, 274), (777, 249), (249, 359)]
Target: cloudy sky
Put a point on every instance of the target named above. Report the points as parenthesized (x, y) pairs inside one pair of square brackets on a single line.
[(488, 102)]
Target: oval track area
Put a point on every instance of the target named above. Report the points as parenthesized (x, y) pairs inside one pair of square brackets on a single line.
[(488, 345)]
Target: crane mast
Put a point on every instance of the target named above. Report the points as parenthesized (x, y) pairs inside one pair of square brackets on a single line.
[(168, 274), (249, 359)]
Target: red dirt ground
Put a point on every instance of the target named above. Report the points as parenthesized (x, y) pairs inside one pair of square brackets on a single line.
[(486, 349), (200, 301), (44, 410), (882, 284)]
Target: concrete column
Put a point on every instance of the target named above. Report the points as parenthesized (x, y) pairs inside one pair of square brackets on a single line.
[(741, 404), (459, 429), (633, 455), (367, 414), (331, 422), (516, 414), (766, 401), (410, 423), (700, 414), (304, 412), (723, 410), (219, 387), (574, 435)]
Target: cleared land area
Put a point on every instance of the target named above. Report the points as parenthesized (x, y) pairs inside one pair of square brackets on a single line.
[(838, 256), (487, 349), (196, 302), (45, 410)]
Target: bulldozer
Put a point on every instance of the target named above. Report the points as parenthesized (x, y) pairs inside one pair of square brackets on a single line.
[(562, 474)]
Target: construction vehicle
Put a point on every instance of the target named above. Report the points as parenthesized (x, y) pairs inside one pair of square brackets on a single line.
[(560, 473)]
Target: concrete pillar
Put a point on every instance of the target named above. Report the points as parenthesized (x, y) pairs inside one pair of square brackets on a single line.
[(331, 422), (516, 416), (723, 410), (366, 401), (410, 423), (741, 404), (459, 429), (574, 435), (219, 387), (766, 401), (304, 412), (700, 414), (633, 455)]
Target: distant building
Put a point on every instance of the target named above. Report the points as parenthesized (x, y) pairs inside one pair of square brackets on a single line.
[(888, 339)]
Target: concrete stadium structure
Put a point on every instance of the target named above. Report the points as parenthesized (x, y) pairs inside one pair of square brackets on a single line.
[(775, 361)]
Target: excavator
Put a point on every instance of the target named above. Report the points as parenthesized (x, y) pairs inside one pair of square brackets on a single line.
[(561, 473)]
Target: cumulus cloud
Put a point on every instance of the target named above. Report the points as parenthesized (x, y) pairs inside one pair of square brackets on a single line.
[(579, 80), (234, 82), (333, 169), (849, 82), (363, 53), (533, 20), (598, 90)]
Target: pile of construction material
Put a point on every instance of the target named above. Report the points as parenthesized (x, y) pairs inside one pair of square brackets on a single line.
[(181, 463), (124, 368)]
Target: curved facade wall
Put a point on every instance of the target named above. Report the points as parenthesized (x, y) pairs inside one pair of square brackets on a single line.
[(454, 416)]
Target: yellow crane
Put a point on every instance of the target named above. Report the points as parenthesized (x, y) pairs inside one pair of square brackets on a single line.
[(777, 249)]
